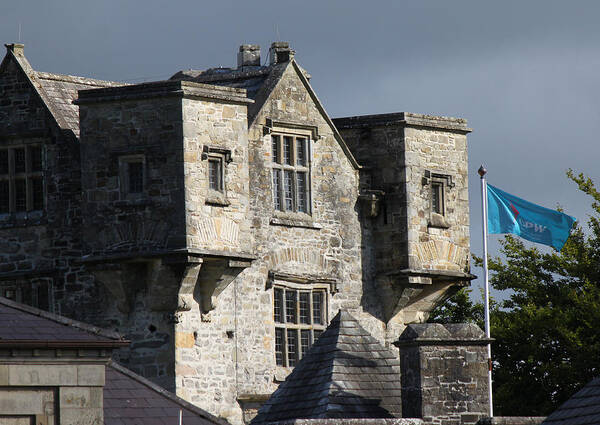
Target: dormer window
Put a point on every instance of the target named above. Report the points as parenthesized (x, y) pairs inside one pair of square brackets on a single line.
[(291, 173)]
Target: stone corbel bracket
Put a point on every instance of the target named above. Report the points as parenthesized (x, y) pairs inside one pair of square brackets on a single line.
[(302, 279), (216, 274), (371, 202), (418, 290)]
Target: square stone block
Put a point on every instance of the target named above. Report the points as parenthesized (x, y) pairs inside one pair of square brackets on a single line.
[(90, 375)]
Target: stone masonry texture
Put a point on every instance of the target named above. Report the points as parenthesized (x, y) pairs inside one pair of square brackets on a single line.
[(187, 272)]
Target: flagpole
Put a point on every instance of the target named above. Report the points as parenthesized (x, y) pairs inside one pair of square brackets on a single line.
[(482, 172)]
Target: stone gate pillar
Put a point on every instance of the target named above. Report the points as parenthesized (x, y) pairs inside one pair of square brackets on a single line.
[(444, 373)]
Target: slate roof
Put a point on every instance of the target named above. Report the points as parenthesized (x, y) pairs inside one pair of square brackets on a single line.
[(22, 325), (130, 399), (60, 92), (346, 374), (581, 409)]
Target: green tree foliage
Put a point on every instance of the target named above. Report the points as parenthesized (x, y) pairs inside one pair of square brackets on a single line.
[(547, 332), (458, 309)]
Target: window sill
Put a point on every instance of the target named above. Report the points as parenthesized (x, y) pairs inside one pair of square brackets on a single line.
[(294, 220), (438, 221), (217, 199)]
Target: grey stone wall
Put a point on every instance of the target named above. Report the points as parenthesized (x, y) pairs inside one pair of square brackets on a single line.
[(444, 373), (39, 250)]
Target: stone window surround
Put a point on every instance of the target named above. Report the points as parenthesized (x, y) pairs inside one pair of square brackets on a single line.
[(124, 161), (304, 283), (294, 218), (223, 156), (440, 182), (28, 175)]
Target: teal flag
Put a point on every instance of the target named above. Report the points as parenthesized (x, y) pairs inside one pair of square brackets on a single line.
[(509, 214)]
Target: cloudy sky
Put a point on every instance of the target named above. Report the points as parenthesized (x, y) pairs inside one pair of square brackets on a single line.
[(525, 74)]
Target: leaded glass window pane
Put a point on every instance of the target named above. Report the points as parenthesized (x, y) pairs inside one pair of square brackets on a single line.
[(288, 190), (215, 174), (304, 341), (278, 305), (4, 161), (291, 305), (20, 195), (287, 150), (277, 190), (275, 146), (4, 196), (37, 193), (20, 166), (301, 153), (302, 192), (279, 342), (292, 347), (318, 298), (304, 306), (35, 153)]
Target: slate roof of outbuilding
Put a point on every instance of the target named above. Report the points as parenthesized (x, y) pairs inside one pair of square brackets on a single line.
[(130, 399), (346, 374), (581, 409), (61, 91), (21, 325)]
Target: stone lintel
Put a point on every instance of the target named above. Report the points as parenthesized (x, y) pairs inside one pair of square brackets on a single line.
[(404, 119), (306, 279), (419, 334), (176, 88)]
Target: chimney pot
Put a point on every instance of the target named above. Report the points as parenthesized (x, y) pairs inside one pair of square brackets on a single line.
[(249, 55), (280, 52)]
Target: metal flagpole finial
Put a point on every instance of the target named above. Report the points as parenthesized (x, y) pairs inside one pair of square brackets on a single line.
[(482, 171)]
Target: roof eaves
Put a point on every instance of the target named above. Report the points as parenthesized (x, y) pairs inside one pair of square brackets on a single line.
[(63, 320), (166, 394)]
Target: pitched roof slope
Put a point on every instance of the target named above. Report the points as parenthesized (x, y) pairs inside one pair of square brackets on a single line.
[(60, 92), (130, 399), (22, 325), (346, 374), (581, 409)]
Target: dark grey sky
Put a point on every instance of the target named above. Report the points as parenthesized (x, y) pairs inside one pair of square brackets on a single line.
[(525, 74)]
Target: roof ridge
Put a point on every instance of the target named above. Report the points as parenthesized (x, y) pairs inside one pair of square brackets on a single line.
[(77, 79), (173, 397), (62, 319)]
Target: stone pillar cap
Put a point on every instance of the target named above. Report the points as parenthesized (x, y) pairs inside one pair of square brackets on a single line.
[(442, 334), (246, 47)]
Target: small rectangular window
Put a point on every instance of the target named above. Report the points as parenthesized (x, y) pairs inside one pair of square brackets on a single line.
[(437, 197), (21, 179), (215, 174), (136, 177)]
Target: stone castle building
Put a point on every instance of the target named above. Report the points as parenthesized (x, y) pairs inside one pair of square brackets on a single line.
[(220, 219)]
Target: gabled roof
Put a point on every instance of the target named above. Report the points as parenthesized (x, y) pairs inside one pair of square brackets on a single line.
[(130, 399), (60, 92), (56, 91), (24, 326), (260, 82), (346, 374), (581, 409)]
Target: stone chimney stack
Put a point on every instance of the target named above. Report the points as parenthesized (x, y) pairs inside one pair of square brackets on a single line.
[(444, 373), (249, 55), (280, 52), (16, 48)]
